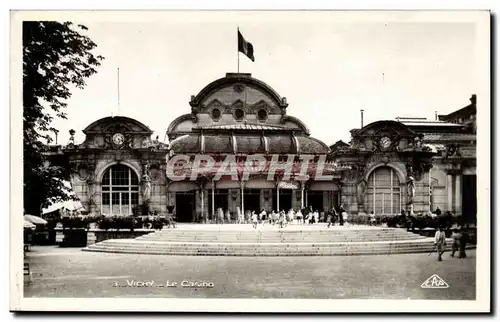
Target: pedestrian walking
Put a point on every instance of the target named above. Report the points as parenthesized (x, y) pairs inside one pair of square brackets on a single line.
[(255, 220), (345, 216), (299, 217), (281, 218), (262, 216), (220, 216), (455, 246), (464, 239), (440, 242), (240, 216), (329, 219), (290, 216)]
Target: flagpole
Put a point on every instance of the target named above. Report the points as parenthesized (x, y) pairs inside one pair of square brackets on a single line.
[(238, 46), (118, 88)]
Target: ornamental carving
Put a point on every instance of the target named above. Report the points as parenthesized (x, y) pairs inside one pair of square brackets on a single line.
[(237, 104), (385, 142), (261, 105), (155, 171), (416, 170), (215, 104), (453, 150), (238, 88), (251, 108), (453, 168), (354, 175), (82, 172), (117, 140)]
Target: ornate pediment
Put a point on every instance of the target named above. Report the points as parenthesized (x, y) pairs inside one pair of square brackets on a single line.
[(214, 104), (383, 136), (237, 104), (117, 124), (340, 146), (116, 133)]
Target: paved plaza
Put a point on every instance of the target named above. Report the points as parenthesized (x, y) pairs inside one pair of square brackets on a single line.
[(70, 272)]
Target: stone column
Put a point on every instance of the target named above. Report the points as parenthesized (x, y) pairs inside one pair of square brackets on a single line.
[(202, 202), (449, 192), (242, 186), (302, 188), (458, 194), (277, 198), (213, 200)]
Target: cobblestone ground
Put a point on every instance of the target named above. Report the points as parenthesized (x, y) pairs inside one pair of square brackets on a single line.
[(63, 272)]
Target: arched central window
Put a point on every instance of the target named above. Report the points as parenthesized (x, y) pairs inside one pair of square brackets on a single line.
[(383, 193), (120, 190)]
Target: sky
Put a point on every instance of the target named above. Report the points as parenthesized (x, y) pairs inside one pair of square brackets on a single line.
[(328, 66)]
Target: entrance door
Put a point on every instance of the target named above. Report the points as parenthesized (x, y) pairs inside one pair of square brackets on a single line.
[(315, 200), (220, 200), (252, 200), (185, 206), (469, 198), (285, 200), (335, 200)]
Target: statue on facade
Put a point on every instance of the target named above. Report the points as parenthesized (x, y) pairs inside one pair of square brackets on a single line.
[(146, 183), (411, 188), (361, 189)]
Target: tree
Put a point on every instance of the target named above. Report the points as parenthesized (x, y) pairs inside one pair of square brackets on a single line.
[(56, 58)]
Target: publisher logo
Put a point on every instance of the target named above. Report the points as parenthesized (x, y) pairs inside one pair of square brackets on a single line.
[(434, 282)]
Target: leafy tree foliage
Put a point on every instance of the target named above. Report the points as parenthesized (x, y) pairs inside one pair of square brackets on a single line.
[(56, 59)]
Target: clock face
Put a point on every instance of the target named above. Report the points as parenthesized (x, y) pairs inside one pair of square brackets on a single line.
[(385, 142), (118, 139)]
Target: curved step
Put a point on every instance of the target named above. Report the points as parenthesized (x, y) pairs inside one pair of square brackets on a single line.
[(228, 241)]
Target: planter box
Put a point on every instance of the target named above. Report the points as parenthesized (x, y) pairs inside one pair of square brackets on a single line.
[(74, 238), (84, 237), (101, 235), (430, 232)]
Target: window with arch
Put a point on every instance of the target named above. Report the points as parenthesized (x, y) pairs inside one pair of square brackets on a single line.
[(383, 193), (120, 191)]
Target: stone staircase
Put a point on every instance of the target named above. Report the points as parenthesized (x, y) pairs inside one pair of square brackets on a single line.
[(242, 240)]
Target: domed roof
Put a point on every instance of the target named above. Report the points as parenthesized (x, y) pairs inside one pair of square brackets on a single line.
[(128, 123), (232, 78), (225, 143)]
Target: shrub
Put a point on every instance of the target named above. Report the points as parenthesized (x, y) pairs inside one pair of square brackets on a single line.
[(75, 222)]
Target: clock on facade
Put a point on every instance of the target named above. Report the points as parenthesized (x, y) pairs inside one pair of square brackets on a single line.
[(118, 139), (385, 142)]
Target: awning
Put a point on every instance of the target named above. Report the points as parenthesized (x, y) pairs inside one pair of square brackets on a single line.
[(323, 186), (182, 187), (35, 220), (436, 147), (260, 184), (71, 205), (288, 185), (28, 224)]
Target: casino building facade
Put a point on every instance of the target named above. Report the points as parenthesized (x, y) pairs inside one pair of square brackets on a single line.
[(411, 164)]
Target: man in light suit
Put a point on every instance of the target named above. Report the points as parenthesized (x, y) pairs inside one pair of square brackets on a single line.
[(440, 242)]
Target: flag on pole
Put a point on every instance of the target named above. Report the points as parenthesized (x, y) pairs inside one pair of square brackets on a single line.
[(245, 47)]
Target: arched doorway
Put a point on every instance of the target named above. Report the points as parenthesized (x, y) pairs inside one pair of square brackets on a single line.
[(383, 193), (120, 191)]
